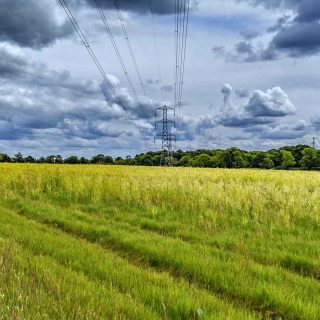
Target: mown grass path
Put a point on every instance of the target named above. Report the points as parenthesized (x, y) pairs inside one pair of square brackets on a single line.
[(209, 244)]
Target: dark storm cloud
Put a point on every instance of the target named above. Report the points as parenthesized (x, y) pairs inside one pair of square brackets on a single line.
[(190, 128), (219, 51), (141, 6), (241, 121), (249, 34), (91, 129), (17, 68), (309, 11), (280, 132), (31, 23), (315, 122), (11, 65), (296, 34), (299, 39), (8, 131), (142, 109), (167, 88), (244, 48), (38, 24), (274, 4), (35, 99), (306, 10), (245, 51)]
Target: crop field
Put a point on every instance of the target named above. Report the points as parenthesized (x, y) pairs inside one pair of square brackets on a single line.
[(108, 242)]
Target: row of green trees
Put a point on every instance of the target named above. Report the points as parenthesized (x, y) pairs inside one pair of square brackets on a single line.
[(57, 159), (288, 157)]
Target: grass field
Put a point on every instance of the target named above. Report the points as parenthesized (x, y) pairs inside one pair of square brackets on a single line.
[(107, 242)]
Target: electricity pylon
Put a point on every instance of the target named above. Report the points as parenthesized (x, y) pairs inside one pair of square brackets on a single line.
[(314, 143), (165, 129)]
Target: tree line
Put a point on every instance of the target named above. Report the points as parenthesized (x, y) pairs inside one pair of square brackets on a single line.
[(288, 157)]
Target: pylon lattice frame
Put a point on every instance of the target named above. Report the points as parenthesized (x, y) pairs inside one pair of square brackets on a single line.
[(165, 129)]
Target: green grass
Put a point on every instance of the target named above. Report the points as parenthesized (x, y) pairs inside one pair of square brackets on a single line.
[(144, 243)]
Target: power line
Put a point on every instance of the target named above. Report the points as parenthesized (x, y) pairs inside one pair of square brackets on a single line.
[(114, 44), (182, 22), (178, 23), (76, 26), (179, 27), (184, 46), (125, 33), (176, 66), (155, 39)]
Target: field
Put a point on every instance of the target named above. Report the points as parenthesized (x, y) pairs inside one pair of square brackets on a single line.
[(108, 242)]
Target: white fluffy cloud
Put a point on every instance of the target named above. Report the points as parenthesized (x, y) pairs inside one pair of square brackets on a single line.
[(272, 103), (260, 108)]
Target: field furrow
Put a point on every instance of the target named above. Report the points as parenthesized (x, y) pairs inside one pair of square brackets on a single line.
[(279, 249), (272, 290), (168, 297), (37, 287)]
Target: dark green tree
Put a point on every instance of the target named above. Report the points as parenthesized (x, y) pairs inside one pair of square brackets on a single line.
[(98, 159), (83, 160), (298, 152), (72, 160), (276, 157), (18, 158), (256, 159), (287, 160), (4, 158), (51, 159), (203, 161), (59, 159), (185, 161), (41, 160), (267, 162), (108, 160), (156, 160), (101, 159), (29, 159), (310, 158), (234, 158)]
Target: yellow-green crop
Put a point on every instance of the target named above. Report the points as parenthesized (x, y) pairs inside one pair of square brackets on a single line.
[(107, 242)]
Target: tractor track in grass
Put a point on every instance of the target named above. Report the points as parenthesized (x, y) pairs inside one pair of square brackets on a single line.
[(290, 261), (135, 264), (309, 269), (45, 274), (140, 263), (176, 272)]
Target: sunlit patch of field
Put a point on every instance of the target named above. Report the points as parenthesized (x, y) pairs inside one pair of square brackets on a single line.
[(107, 242)]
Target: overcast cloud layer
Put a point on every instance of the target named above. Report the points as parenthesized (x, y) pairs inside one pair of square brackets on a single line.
[(251, 78)]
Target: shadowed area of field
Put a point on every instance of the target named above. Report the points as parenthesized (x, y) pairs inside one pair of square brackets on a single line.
[(97, 242)]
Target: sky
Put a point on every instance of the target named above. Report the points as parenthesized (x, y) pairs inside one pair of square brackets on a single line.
[(251, 76)]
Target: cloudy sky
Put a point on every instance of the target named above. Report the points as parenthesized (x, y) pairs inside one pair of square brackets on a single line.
[(251, 76)]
